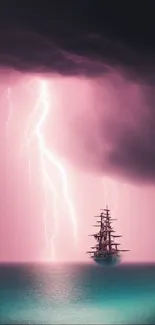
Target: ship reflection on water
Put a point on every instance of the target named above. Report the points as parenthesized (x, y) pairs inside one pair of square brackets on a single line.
[(77, 294)]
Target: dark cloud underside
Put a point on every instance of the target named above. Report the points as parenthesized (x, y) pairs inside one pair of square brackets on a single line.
[(89, 53)]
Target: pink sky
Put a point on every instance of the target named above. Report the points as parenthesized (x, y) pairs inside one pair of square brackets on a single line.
[(72, 129)]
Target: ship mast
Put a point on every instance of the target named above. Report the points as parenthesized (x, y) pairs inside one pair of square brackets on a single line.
[(105, 237), (108, 230), (106, 249)]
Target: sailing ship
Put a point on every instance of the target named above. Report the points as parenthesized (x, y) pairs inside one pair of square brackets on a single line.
[(106, 251)]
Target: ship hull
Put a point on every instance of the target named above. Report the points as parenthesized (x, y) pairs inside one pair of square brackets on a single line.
[(109, 260)]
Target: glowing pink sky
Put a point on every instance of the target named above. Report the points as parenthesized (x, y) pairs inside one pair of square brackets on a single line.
[(73, 130)]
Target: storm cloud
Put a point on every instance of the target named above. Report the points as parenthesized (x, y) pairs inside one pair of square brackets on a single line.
[(88, 55), (122, 140)]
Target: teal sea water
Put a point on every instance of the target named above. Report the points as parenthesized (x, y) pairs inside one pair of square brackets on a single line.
[(77, 294)]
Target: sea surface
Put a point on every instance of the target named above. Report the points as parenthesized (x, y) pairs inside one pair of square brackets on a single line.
[(77, 294)]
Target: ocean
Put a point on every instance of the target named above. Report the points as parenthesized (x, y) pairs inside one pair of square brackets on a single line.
[(77, 294)]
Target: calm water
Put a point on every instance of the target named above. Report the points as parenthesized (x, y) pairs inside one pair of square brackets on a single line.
[(77, 294)]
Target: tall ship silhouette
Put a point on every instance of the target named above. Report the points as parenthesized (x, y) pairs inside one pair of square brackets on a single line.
[(106, 251)]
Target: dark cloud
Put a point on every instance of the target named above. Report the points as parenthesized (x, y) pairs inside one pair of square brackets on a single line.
[(134, 149), (133, 155), (79, 54), (28, 51), (120, 139), (120, 147)]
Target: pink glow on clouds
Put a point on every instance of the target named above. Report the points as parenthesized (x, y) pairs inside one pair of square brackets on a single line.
[(73, 105)]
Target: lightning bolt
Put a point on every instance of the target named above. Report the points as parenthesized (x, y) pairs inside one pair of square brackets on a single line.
[(40, 114), (10, 111), (28, 138), (105, 191), (108, 186), (51, 157), (35, 130)]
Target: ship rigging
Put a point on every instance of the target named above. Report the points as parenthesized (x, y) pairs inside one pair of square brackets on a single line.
[(106, 251)]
